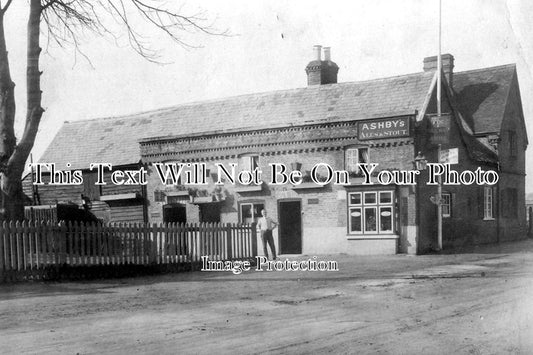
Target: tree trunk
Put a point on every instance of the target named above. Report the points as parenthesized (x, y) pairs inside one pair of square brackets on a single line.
[(12, 196), (13, 157), (9, 197)]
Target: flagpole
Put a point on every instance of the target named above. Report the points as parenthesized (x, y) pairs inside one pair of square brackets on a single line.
[(439, 113), (439, 64)]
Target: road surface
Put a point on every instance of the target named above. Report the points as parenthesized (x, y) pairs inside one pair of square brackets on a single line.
[(479, 302)]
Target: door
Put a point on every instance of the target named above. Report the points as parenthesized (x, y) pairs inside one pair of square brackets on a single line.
[(176, 213), (290, 227)]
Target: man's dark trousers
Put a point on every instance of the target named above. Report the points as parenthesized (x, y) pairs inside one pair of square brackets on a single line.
[(266, 237)]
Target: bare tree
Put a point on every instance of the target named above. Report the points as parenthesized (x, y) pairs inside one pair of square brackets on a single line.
[(63, 21)]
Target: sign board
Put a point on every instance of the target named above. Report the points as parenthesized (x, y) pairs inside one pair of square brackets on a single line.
[(439, 128), (449, 156), (384, 128)]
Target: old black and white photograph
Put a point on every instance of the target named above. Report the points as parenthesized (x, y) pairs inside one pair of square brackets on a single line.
[(266, 177)]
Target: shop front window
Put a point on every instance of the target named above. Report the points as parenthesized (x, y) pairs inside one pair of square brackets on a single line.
[(370, 212), (385, 214), (370, 220)]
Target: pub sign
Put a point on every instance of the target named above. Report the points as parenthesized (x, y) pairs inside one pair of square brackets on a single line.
[(384, 128), (439, 128)]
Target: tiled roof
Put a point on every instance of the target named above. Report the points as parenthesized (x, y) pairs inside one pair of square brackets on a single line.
[(479, 150), (482, 95), (115, 140)]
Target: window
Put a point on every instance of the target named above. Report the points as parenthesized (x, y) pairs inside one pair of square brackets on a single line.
[(249, 162), (159, 196), (354, 156), (446, 204), (487, 203), (370, 212), (512, 143), (250, 212), (177, 199)]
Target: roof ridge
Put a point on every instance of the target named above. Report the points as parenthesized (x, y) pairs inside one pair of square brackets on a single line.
[(513, 65), (192, 103), (385, 78), (316, 87)]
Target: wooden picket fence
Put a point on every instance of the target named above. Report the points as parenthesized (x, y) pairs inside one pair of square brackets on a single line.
[(48, 250), (40, 213)]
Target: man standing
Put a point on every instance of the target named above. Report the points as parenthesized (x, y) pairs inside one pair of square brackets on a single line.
[(266, 225)]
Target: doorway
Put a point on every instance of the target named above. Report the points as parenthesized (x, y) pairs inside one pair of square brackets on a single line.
[(174, 213), (210, 212), (290, 227)]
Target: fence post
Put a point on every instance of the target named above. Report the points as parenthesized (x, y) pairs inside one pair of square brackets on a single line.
[(104, 251), (43, 235), (138, 243), (160, 243), (63, 244), (216, 240), (207, 241), (70, 243), (99, 250), (8, 245), (92, 247), (25, 249), (174, 243), (2, 247), (254, 240), (56, 248), (146, 243), (228, 241), (38, 231), (124, 243), (18, 241), (153, 244)]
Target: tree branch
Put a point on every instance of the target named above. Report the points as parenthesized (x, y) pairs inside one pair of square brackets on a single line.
[(66, 20), (4, 9), (47, 5), (23, 149)]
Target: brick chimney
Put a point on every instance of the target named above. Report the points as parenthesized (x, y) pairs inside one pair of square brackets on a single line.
[(320, 72), (430, 64)]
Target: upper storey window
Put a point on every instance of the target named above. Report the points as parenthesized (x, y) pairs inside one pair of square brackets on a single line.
[(249, 162), (353, 157)]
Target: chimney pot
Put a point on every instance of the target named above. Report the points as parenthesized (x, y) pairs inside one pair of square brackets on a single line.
[(320, 72), (327, 54), (318, 52)]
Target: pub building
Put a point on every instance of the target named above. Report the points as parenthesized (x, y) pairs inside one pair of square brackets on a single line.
[(390, 122)]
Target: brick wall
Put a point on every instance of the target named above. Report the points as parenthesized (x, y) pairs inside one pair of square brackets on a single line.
[(324, 210), (467, 225)]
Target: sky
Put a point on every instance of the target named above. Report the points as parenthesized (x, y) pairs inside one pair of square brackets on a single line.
[(268, 46)]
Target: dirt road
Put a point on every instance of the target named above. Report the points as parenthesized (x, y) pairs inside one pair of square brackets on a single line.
[(472, 303)]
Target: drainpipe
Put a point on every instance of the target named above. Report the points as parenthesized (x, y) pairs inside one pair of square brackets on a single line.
[(498, 209)]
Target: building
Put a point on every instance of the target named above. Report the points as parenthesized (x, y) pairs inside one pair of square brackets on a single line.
[(385, 121)]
